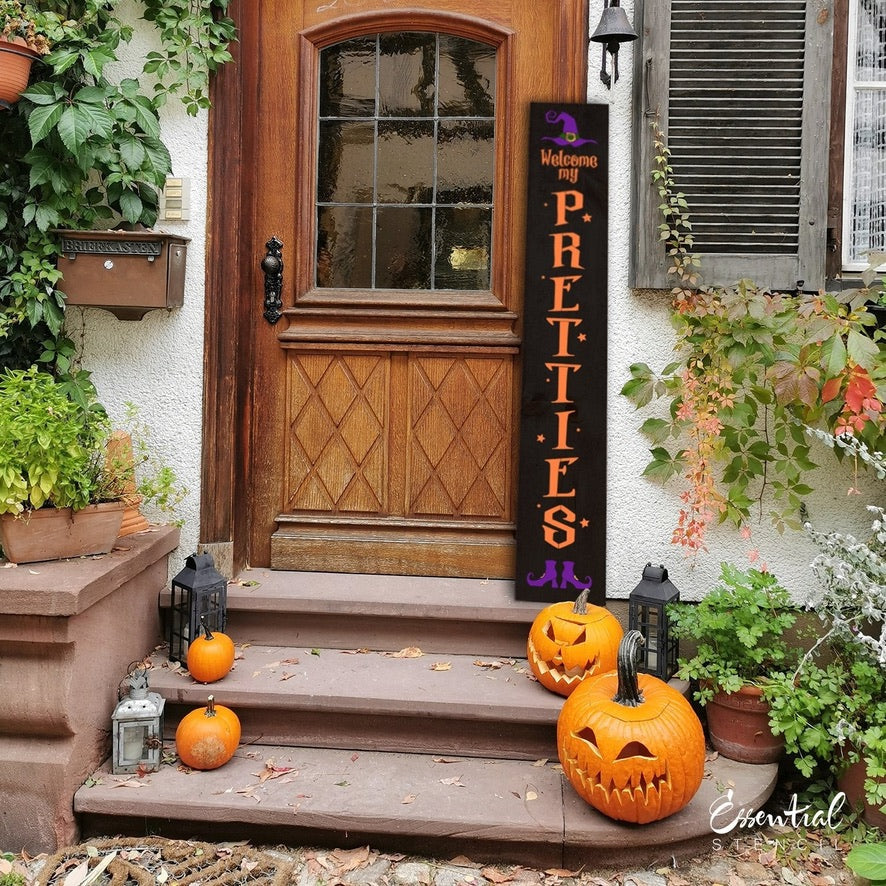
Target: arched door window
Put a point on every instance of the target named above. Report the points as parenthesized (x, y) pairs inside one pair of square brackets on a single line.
[(406, 143)]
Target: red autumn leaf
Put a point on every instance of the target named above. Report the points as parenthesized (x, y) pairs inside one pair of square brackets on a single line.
[(831, 389)]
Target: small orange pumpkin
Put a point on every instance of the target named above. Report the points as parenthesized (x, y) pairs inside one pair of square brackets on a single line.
[(631, 747), (206, 738), (211, 656), (570, 641)]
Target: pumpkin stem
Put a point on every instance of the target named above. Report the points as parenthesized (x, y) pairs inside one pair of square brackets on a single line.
[(206, 630), (210, 706), (628, 693), (581, 603)]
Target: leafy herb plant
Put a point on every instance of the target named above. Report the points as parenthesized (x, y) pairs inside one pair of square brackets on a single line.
[(740, 630)]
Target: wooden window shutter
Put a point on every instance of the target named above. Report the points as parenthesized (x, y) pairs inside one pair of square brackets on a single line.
[(742, 89)]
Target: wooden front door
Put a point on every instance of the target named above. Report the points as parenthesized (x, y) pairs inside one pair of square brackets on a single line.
[(389, 148)]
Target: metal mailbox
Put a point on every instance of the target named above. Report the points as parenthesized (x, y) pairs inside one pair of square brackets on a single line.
[(126, 272)]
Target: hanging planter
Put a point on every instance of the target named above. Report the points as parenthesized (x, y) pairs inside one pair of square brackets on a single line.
[(16, 58)]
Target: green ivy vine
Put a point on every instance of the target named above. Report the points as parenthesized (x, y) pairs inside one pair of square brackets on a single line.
[(83, 150)]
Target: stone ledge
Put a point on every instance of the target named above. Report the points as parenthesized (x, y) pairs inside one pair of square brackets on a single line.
[(68, 587)]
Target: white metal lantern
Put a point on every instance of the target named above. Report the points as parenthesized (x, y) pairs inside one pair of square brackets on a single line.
[(137, 724)]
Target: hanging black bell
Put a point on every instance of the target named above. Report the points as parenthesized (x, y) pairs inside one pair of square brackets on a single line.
[(613, 29)]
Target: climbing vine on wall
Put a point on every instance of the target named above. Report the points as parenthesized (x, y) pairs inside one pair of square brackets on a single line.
[(82, 150), (753, 368)]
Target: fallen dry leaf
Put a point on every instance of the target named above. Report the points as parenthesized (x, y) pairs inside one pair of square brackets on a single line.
[(286, 676), (455, 781), (441, 666), (493, 665), (355, 757), (540, 763), (562, 872), (273, 771), (445, 760), (409, 798), (461, 861), (407, 652), (363, 650), (350, 859), (495, 876), (531, 795)]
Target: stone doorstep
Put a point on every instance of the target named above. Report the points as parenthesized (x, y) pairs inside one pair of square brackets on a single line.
[(489, 810), (433, 703)]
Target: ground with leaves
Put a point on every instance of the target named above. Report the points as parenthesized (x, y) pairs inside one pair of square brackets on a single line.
[(813, 859)]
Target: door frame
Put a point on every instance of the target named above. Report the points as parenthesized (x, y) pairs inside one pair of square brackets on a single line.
[(233, 280)]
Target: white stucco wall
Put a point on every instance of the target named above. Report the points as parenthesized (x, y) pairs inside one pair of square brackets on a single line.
[(157, 364)]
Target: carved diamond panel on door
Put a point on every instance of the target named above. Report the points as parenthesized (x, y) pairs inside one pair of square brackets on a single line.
[(460, 445), (338, 415)]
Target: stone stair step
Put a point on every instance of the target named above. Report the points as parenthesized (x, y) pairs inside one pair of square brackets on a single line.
[(389, 611), (493, 809), (435, 703)]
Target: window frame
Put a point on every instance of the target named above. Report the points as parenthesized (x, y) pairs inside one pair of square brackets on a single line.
[(851, 88)]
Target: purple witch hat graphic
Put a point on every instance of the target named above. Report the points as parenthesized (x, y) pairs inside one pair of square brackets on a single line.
[(569, 135)]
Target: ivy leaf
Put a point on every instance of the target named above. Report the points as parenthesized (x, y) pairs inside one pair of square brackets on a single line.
[(833, 352), (663, 466), (658, 429), (862, 349), (74, 128), (42, 120), (831, 389), (146, 116), (95, 60), (132, 151), (131, 206), (45, 93)]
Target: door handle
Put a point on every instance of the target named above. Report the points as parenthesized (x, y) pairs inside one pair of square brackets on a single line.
[(272, 266)]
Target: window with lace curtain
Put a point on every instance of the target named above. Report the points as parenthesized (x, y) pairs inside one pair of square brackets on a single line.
[(864, 186)]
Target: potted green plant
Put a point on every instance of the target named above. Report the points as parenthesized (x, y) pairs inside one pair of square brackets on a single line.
[(21, 42), (740, 634), (830, 708), (54, 499)]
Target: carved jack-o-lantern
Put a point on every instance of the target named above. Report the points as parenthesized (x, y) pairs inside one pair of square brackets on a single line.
[(570, 641), (633, 749)]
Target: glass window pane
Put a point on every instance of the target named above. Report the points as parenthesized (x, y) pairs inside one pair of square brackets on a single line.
[(405, 161), (347, 79), (465, 151), (467, 78), (424, 141), (870, 41), (868, 214), (464, 242), (344, 247), (403, 247), (346, 161), (406, 74)]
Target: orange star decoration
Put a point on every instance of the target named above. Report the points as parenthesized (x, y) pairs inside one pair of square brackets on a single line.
[(584, 524), (540, 438)]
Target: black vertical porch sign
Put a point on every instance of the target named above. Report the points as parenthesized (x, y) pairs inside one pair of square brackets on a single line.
[(561, 511)]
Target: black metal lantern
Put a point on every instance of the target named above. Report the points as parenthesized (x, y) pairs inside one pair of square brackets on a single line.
[(137, 725), (647, 613), (199, 593), (613, 30)]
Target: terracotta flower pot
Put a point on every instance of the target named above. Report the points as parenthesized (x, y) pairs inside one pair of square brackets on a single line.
[(16, 58), (57, 533), (851, 782), (738, 726)]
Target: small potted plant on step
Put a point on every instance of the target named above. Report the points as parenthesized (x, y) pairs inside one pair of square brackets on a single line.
[(740, 631), (21, 42), (61, 495)]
